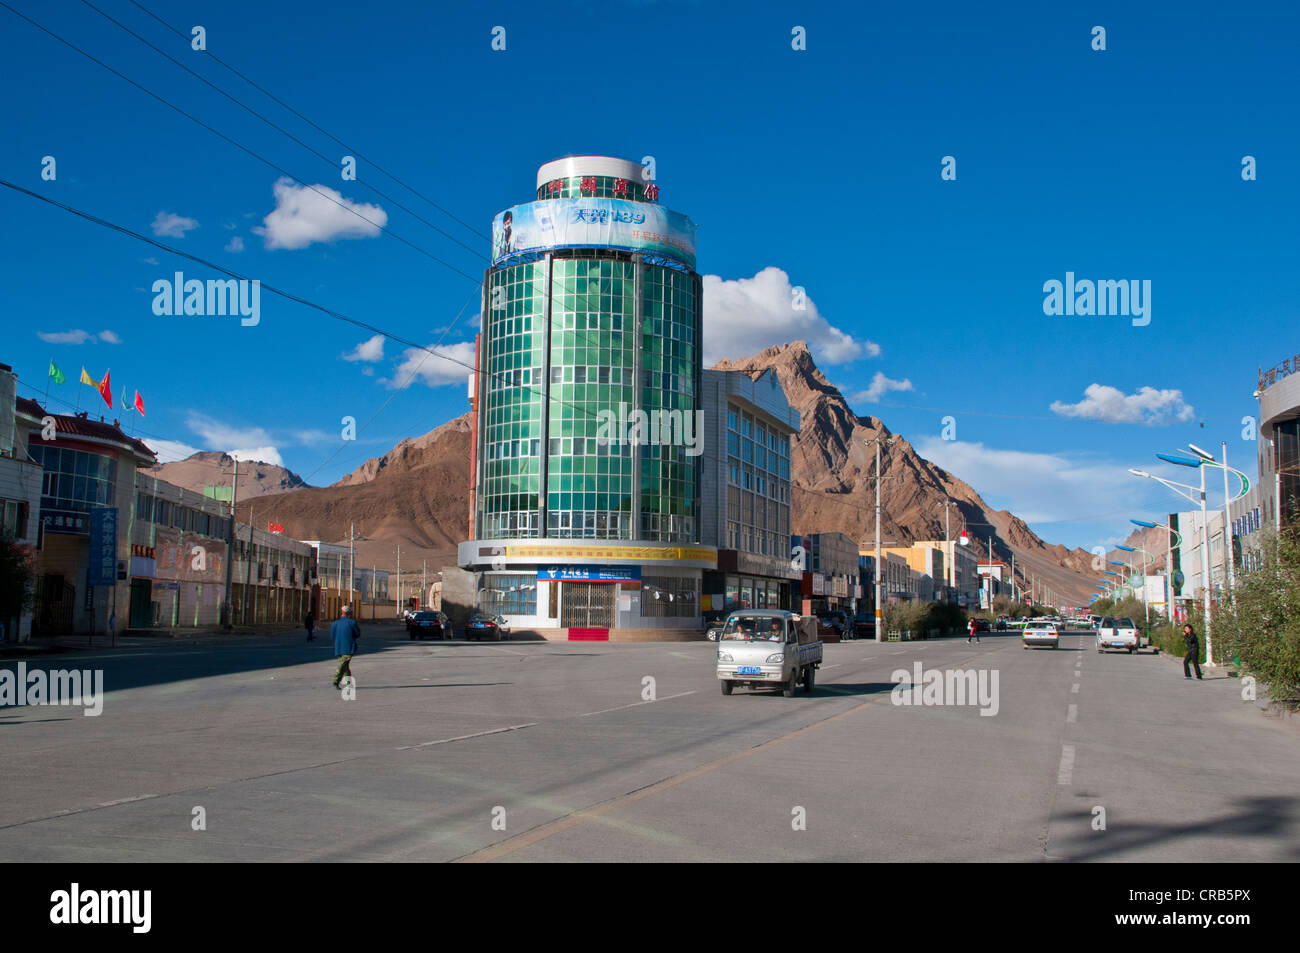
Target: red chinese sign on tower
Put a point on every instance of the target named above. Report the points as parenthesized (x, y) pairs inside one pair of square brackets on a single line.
[(588, 185), (620, 187), (652, 192)]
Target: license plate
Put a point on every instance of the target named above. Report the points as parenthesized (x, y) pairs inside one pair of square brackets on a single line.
[(749, 670)]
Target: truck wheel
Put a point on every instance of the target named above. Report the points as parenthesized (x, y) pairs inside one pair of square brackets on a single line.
[(810, 679), (788, 688), (725, 686)]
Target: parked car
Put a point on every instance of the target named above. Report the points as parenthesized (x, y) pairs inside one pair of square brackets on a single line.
[(1043, 633), (484, 625), (1115, 633), (768, 648), (982, 625), (428, 623), (864, 625), (839, 622)]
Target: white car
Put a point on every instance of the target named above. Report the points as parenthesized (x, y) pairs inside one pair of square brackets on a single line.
[(1115, 633), (1043, 633)]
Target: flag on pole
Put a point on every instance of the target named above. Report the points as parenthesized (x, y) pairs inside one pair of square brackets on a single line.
[(87, 379), (274, 528), (139, 403), (56, 374), (106, 391)]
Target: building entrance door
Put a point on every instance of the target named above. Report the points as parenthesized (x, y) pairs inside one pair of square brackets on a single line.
[(586, 605), (141, 616)]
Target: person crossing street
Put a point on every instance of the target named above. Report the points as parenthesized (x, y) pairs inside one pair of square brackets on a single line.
[(345, 633)]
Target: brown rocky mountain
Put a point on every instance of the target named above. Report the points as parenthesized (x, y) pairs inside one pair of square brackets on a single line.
[(833, 467), (417, 494), (207, 467)]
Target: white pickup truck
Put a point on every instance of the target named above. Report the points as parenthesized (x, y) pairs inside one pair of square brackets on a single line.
[(1117, 634), (768, 648)]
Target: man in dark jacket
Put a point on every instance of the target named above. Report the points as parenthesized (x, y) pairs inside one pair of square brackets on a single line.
[(345, 633), (310, 623), (1193, 651)]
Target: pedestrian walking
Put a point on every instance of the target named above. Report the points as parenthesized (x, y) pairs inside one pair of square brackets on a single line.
[(974, 631), (310, 623), (345, 633), (1193, 655)]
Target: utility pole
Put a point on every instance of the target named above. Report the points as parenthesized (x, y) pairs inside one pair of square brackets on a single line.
[(399, 578), (947, 544), (424, 584), (879, 614), (248, 567), (230, 546), (352, 558)]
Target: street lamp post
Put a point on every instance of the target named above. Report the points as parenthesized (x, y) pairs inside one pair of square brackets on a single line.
[(1192, 494)]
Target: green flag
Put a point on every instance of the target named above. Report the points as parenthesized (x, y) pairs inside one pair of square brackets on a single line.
[(56, 373)]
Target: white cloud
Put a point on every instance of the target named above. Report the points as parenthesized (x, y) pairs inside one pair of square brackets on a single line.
[(169, 451), (236, 244), (172, 225), (1112, 406), (150, 261), (220, 436), (1040, 487), (370, 350), (747, 315), (63, 337), (304, 215), (432, 370), (259, 455), (880, 386), (109, 337)]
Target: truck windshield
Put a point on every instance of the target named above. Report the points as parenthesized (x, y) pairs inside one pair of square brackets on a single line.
[(748, 628)]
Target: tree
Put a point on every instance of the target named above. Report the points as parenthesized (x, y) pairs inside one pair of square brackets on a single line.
[(16, 575)]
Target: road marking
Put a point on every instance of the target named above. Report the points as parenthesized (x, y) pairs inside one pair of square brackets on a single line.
[(1072, 715), (128, 800), (636, 704), (1074, 689), (1065, 773), (528, 838), (477, 734)]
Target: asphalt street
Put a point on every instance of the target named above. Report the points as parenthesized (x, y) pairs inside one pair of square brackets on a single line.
[(535, 751)]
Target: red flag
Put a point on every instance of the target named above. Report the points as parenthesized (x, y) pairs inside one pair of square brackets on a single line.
[(139, 403), (105, 391), (274, 528)]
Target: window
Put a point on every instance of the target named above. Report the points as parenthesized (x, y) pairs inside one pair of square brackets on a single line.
[(509, 594), (669, 597)]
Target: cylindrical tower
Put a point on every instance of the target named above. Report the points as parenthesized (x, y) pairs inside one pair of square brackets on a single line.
[(591, 316), (587, 406)]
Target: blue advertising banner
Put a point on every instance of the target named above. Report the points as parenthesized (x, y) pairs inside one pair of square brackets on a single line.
[(593, 223), (103, 546), (590, 573)]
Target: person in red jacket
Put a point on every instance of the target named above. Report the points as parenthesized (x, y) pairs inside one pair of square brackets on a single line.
[(974, 631)]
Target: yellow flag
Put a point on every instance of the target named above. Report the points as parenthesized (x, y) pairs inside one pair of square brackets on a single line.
[(87, 379)]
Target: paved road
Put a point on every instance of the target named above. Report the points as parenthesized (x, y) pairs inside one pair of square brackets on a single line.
[(555, 741)]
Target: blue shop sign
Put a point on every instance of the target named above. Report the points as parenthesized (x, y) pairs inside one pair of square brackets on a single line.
[(103, 546), (590, 573)]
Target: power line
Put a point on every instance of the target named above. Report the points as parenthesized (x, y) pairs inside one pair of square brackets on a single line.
[(282, 103), (238, 145), (330, 312), (276, 127)]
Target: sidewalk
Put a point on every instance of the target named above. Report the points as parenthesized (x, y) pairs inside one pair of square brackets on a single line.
[(137, 638)]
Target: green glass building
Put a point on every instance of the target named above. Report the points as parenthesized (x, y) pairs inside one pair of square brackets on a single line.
[(591, 322)]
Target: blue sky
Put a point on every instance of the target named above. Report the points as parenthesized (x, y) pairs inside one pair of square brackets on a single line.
[(822, 164)]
